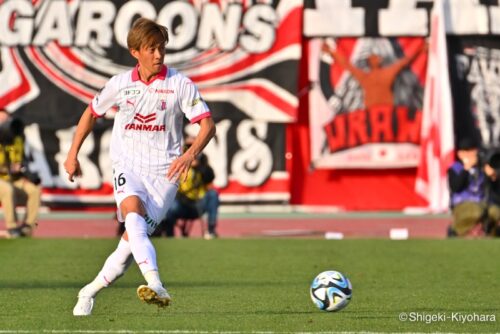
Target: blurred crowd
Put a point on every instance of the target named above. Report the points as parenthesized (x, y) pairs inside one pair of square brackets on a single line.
[(474, 182), (195, 198)]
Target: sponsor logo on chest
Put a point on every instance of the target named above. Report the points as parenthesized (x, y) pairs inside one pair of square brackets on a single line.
[(143, 123), (131, 92)]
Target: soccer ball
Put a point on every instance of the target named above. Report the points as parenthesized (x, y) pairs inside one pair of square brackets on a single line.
[(331, 291)]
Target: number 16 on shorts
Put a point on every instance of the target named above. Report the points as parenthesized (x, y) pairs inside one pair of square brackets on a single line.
[(119, 181)]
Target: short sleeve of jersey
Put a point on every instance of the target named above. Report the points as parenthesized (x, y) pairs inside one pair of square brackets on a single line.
[(105, 99), (191, 102)]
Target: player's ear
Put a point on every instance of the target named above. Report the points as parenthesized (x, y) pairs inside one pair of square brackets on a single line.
[(134, 53)]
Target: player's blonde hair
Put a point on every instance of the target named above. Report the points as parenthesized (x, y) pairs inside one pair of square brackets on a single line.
[(145, 32)]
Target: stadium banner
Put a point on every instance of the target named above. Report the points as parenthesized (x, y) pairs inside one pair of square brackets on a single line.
[(474, 70), (365, 104), (346, 130), (243, 55)]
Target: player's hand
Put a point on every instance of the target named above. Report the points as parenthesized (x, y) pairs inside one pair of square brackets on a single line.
[(72, 167), (180, 166)]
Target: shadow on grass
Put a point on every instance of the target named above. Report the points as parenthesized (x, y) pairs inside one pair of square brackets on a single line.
[(39, 285), (120, 284)]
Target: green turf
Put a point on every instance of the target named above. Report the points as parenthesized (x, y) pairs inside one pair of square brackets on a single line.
[(256, 285)]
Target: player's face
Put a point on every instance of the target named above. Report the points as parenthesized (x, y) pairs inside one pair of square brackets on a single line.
[(150, 59)]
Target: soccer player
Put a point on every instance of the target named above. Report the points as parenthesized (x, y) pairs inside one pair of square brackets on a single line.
[(146, 154)]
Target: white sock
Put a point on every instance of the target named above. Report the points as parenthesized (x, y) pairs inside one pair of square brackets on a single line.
[(91, 289), (153, 278), (114, 267), (116, 264), (140, 245)]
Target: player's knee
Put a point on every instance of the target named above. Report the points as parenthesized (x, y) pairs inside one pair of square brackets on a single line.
[(136, 226), (131, 204)]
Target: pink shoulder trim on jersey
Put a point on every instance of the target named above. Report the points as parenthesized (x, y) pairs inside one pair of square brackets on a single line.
[(161, 76), (200, 117), (96, 115)]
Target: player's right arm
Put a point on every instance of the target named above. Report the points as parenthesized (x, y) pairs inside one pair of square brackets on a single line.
[(84, 127), (102, 101)]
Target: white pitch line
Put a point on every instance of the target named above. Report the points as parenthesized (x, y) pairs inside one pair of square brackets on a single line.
[(126, 331)]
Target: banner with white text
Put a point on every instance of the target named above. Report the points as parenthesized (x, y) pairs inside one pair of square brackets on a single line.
[(474, 69), (243, 55)]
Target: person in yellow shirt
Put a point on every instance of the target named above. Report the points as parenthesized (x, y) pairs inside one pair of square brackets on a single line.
[(186, 204), (209, 202), (15, 187)]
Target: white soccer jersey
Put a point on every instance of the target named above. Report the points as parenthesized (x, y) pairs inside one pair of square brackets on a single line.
[(147, 131)]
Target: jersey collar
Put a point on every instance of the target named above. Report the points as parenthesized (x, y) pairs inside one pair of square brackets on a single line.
[(161, 76)]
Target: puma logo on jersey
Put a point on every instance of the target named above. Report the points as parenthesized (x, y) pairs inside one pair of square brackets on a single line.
[(142, 262)]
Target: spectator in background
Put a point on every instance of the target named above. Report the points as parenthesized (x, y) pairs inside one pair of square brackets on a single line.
[(209, 203), (492, 171), (467, 182), (16, 183), (196, 196)]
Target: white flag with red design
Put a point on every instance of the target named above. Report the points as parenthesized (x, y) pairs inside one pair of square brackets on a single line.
[(437, 139)]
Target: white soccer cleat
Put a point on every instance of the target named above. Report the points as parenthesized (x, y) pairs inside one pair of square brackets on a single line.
[(84, 306), (156, 295)]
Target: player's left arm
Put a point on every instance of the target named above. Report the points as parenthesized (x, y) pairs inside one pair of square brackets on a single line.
[(181, 165), (207, 131)]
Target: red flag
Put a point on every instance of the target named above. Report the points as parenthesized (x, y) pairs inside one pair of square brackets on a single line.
[(437, 139)]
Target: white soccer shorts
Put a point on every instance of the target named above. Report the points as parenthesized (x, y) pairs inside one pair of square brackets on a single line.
[(157, 195)]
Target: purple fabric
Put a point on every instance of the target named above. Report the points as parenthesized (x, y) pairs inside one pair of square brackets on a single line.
[(474, 191)]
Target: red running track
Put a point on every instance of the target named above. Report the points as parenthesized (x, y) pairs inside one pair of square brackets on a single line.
[(259, 225)]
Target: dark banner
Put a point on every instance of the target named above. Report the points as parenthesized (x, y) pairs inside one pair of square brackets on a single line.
[(475, 76), (243, 55)]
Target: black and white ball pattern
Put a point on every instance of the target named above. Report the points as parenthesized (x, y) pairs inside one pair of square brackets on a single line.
[(331, 291)]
